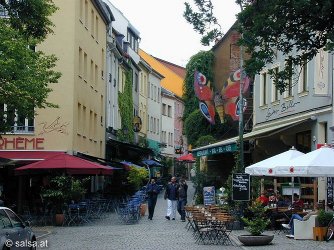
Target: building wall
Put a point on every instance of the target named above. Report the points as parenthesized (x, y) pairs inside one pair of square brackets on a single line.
[(167, 127), (78, 123), (172, 81), (154, 111), (179, 139), (143, 87), (315, 95), (227, 57)]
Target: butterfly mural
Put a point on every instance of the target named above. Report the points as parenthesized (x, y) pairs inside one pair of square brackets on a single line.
[(226, 101), (204, 93)]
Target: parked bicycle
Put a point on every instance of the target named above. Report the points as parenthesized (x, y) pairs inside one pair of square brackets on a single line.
[(330, 229)]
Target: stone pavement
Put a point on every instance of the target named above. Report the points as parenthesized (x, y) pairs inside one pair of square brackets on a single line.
[(110, 233)]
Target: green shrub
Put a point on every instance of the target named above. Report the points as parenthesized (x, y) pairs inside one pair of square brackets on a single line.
[(324, 218), (258, 221)]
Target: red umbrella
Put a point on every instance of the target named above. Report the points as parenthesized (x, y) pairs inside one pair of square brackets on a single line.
[(188, 157), (71, 164)]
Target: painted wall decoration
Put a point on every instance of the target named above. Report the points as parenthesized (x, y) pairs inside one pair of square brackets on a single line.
[(55, 126), (227, 101), (204, 93), (321, 73)]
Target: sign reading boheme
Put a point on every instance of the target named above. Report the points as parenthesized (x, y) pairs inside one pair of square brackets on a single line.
[(21, 143)]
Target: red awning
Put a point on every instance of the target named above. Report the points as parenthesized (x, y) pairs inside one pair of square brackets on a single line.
[(70, 164), (27, 155), (188, 158)]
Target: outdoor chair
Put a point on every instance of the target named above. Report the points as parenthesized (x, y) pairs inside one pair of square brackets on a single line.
[(303, 230), (203, 232)]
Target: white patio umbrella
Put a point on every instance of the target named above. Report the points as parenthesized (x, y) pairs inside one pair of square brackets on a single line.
[(267, 166), (317, 163)]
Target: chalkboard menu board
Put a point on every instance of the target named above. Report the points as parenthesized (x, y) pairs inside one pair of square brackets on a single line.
[(209, 194), (240, 187), (330, 191)]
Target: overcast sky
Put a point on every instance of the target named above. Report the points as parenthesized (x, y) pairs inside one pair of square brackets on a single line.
[(163, 30)]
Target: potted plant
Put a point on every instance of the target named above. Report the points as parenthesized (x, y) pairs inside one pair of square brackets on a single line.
[(256, 224), (61, 190), (323, 218)]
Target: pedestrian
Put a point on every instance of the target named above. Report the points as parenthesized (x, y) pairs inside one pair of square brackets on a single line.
[(182, 201), (171, 195), (152, 191)]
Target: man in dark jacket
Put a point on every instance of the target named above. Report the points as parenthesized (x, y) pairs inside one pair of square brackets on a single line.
[(152, 191), (183, 188), (171, 195)]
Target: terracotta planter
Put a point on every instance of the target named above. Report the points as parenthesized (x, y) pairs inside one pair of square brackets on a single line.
[(319, 233), (255, 240), (59, 219), (143, 208)]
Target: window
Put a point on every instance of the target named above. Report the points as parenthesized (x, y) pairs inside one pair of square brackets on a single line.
[(81, 10), (85, 67), (275, 90), (164, 111), (132, 38), (136, 82), (96, 74), (86, 13), (289, 83), (96, 28), (4, 220), (304, 74), (92, 23), (154, 125), (18, 122), (16, 222), (169, 111), (158, 126), (80, 62), (91, 72), (3, 12), (264, 88), (149, 89), (151, 124), (155, 93), (79, 121), (102, 64)]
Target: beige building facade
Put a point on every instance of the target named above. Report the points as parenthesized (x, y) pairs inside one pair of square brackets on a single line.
[(78, 124)]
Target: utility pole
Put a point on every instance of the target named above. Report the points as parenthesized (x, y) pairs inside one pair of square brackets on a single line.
[(241, 106)]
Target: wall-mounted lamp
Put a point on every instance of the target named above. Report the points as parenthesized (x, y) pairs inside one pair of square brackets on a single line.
[(314, 139), (313, 118)]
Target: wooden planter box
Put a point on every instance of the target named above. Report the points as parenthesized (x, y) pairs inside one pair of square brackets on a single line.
[(319, 233)]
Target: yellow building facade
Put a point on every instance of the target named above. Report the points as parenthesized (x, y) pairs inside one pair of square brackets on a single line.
[(78, 125), (172, 81)]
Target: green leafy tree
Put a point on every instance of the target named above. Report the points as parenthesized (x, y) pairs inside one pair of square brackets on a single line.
[(298, 28), (137, 176), (25, 75)]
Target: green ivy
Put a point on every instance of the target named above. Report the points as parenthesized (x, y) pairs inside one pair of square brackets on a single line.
[(125, 104)]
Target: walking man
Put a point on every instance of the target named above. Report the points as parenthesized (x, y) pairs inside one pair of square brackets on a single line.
[(183, 188), (171, 194), (152, 191)]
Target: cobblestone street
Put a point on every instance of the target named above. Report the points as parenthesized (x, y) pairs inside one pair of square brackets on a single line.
[(110, 233)]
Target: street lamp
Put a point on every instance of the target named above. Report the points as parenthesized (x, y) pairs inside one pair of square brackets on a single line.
[(241, 105)]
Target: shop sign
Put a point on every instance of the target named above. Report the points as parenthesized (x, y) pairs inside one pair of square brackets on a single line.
[(217, 150), (21, 143)]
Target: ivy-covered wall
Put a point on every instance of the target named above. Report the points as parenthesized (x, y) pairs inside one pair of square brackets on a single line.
[(125, 104)]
